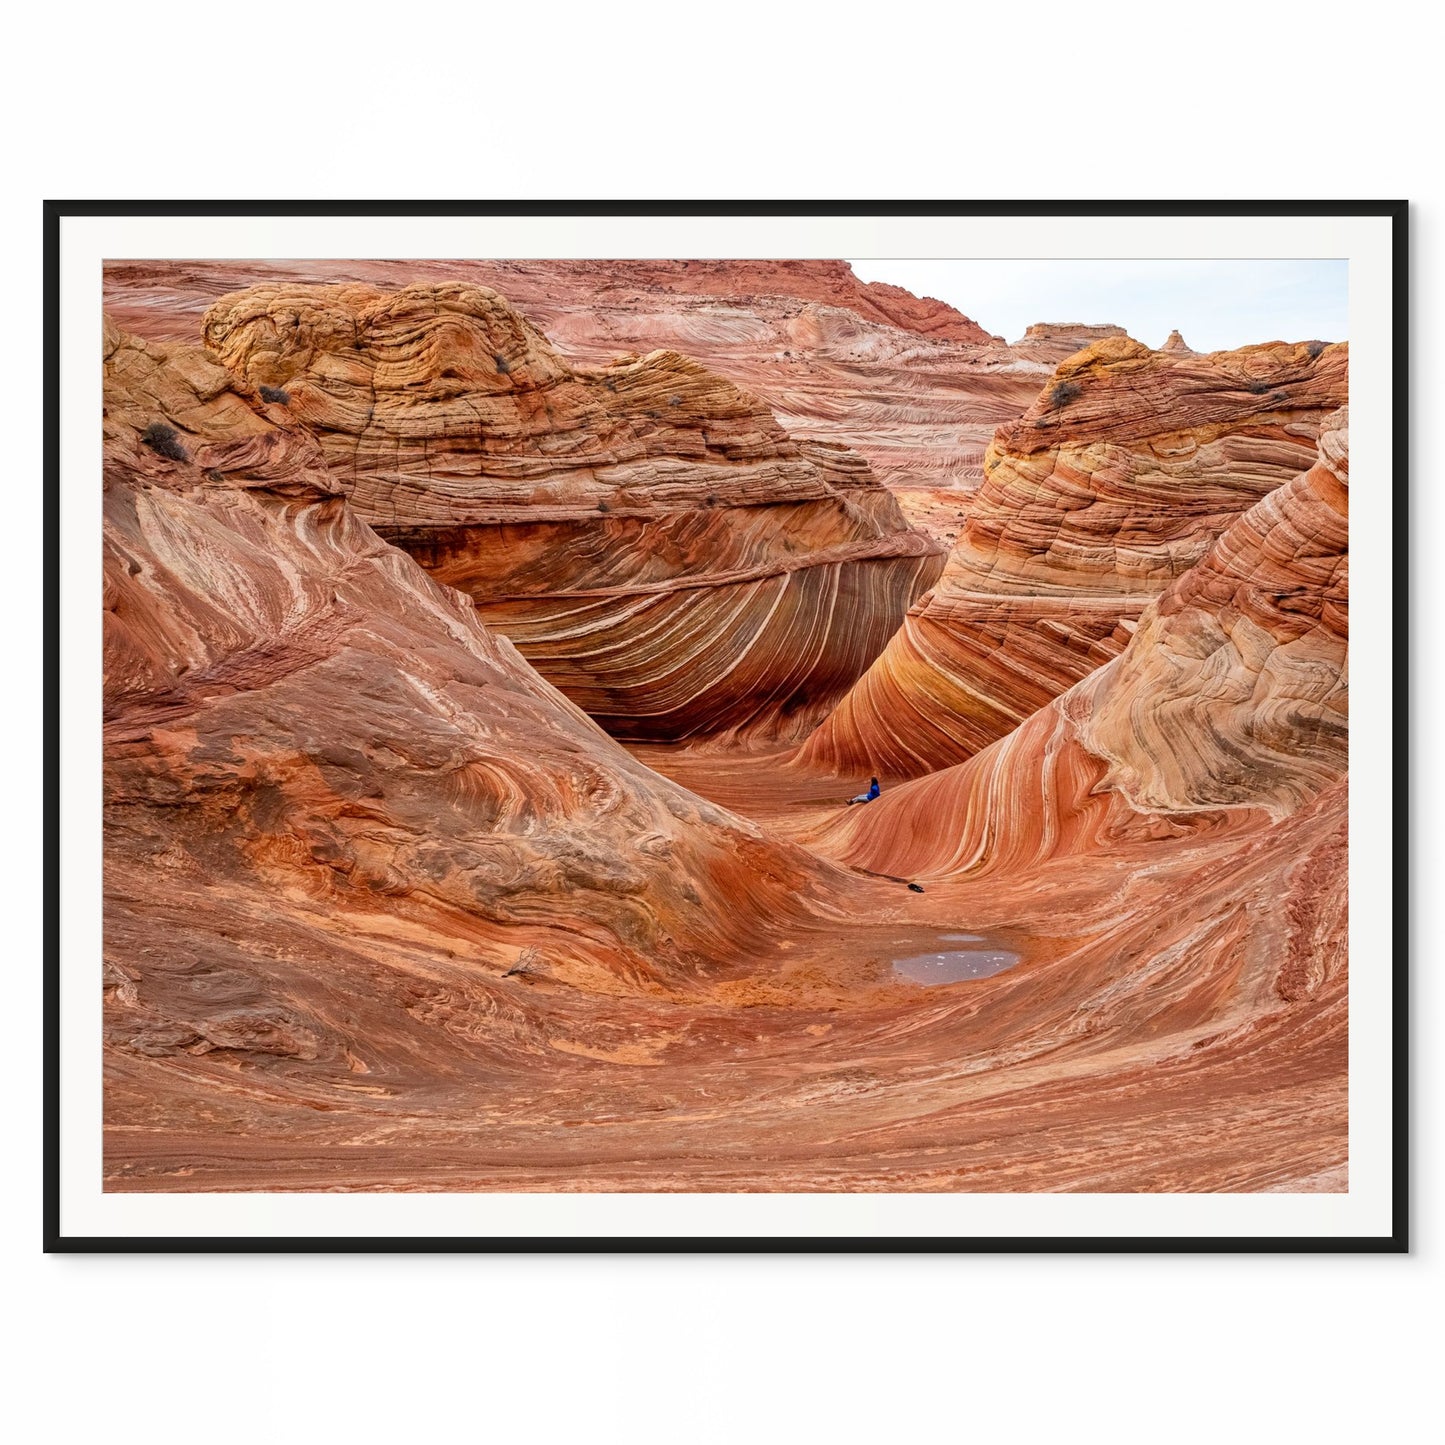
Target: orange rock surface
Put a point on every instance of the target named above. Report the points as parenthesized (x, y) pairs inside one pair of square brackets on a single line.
[(384, 910), (908, 383), (1114, 483), (647, 535), (1188, 800), (1228, 711), (294, 710)]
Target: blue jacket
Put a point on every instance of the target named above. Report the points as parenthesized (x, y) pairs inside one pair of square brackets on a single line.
[(873, 791)]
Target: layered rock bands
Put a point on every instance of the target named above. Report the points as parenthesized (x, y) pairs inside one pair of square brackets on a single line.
[(1228, 710), (910, 384), (646, 534), (1116, 482), (332, 794)]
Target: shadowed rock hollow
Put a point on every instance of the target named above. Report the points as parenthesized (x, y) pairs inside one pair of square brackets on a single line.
[(647, 535)]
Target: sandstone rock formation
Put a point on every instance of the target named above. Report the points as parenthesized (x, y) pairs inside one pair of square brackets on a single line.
[(910, 384), (330, 792), (1113, 484), (1054, 341), (384, 910), (623, 284), (165, 300), (1245, 660), (1231, 699), (648, 536), (1182, 816)]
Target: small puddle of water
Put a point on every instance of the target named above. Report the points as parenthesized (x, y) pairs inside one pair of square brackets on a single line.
[(954, 965)]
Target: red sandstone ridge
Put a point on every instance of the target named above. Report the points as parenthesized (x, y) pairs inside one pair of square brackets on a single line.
[(192, 285), (1228, 709), (1246, 656), (926, 316), (647, 535), (343, 820), (827, 283), (1055, 341), (1115, 482), (911, 385), (384, 910), (1189, 798)]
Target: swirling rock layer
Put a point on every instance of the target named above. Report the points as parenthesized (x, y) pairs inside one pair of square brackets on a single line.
[(385, 911), (908, 383), (1244, 659), (1232, 696), (647, 535), (1113, 484), (1182, 813), (331, 795)]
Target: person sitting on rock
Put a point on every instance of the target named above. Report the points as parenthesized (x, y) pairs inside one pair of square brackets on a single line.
[(873, 791)]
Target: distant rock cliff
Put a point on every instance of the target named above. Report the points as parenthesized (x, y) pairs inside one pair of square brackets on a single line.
[(1052, 341)]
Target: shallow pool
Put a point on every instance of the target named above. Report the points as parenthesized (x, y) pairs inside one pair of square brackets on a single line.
[(956, 964)]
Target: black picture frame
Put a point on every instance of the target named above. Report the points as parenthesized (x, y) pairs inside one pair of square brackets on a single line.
[(1396, 212)]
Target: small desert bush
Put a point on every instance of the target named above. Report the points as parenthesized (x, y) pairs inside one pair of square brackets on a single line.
[(274, 393), (503, 365), (1314, 348), (166, 441), (1064, 392)]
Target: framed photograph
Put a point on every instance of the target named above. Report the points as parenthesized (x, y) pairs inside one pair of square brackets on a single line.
[(724, 726)]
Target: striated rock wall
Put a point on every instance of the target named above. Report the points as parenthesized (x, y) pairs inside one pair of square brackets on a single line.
[(910, 384), (1243, 661), (1183, 812), (1114, 483), (648, 536), (386, 910), (1054, 341), (1227, 712), (334, 800), (627, 285)]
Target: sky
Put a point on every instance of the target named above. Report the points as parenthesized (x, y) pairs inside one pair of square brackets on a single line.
[(1216, 305)]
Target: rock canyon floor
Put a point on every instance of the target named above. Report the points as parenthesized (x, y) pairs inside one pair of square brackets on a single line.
[(491, 649)]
